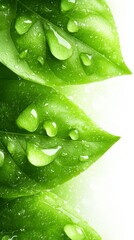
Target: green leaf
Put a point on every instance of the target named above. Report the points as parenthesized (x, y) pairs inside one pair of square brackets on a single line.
[(45, 139), (60, 42), (43, 216)]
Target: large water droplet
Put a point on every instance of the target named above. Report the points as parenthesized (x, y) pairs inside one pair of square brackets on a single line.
[(23, 54), (72, 26), (28, 119), (50, 128), (86, 59), (66, 5), (6, 237), (74, 232), (74, 134), (23, 24), (1, 158), (41, 157), (84, 158), (59, 47), (41, 60)]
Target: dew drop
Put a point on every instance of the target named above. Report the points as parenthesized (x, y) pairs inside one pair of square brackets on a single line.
[(50, 128), (23, 24), (1, 158), (86, 59), (28, 119), (11, 146), (41, 157), (66, 5), (74, 232), (3, 7), (84, 158), (74, 134), (41, 60), (23, 54), (59, 47), (72, 26)]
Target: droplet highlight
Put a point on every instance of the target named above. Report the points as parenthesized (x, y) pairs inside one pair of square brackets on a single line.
[(59, 47), (84, 158), (74, 134), (23, 54), (41, 60), (86, 59), (74, 232), (72, 26), (67, 5), (2, 156), (28, 119), (41, 157), (50, 128), (23, 24)]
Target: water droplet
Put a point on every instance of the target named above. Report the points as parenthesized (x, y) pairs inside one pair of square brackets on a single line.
[(50, 128), (1, 158), (28, 119), (6, 237), (3, 7), (11, 146), (74, 232), (59, 47), (41, 60), (74, 134), (86, 59), (23, 54), (41, 157), (72, 26), (84, 158), (23, 24), (66, 5)]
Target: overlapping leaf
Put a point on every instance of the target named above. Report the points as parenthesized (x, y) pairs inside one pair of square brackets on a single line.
[(60, 42), (43, 216), (45, 139)]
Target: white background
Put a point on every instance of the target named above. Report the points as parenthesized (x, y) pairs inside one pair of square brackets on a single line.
[(104, 194)]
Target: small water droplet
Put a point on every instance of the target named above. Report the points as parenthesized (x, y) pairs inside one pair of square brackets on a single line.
[(86, 59), (66, 5), (59, 47), (74, 232), (41, 60), (72, 26), (1, 158), (23, 24), (84, 158), (3, 7), (50, 128), (41, 157), (11, 146), (28, 119), (74, 134), (23, 54)]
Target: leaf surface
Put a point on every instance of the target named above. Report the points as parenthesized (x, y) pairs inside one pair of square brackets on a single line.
[(60, 42), (45, 139), (43, 216)]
